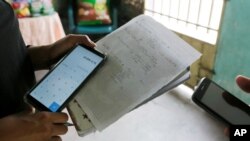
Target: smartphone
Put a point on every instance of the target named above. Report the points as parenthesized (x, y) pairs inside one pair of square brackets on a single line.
[(221, 104), (59, 85)]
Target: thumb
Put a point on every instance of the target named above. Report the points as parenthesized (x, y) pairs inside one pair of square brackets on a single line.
[(29, 110), (243, 82)]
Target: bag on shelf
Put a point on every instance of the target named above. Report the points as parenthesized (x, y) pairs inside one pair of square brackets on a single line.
[(93, 12), (21, 8)]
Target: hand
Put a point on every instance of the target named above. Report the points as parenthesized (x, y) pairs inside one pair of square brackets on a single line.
[(62, 46), (41, 126), (43, 57), (244, 83)]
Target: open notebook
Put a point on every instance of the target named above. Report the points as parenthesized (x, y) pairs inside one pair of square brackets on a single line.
[(145, 59)]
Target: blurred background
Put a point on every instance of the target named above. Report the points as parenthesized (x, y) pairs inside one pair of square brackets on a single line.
[(217, 28)]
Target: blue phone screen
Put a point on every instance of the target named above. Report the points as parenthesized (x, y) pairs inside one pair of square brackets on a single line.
[(58, 86)]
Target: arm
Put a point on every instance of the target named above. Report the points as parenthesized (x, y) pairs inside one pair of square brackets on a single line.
[(33, 127), (43, 57)]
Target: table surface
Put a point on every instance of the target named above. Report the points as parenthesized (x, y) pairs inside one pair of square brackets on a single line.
[(170, 117)]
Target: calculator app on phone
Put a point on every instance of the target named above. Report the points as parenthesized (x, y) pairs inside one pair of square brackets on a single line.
[(65, 78)]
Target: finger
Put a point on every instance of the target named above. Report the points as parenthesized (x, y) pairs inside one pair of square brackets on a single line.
[(226, 131), (28, 110), (52, 117), (56, 138), (87, 41), (244, 83), (60, 118), (81, 39), (59, 129)]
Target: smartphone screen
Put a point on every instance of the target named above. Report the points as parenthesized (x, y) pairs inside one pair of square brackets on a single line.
[(221, 103), (57, 87)]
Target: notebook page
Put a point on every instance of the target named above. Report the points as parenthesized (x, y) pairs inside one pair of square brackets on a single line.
[(143, 56)]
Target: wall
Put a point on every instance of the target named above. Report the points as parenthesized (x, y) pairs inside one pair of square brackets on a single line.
[(204, 66), (233, 55)]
